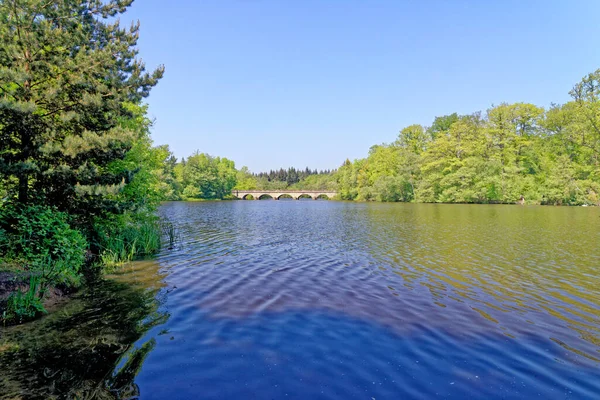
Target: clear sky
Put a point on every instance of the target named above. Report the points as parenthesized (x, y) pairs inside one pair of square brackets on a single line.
[(278, 83)]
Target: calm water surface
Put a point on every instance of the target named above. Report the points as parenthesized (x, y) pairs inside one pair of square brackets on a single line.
[(333, 300)]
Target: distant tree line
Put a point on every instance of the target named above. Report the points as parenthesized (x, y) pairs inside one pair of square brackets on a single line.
[(291, 175), (202, 176), (512, 152), (509, 153)]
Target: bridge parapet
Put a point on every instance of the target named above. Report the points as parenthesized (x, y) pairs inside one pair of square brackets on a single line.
[(276, 195)]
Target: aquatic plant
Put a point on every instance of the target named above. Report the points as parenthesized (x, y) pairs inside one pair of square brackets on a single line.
[(22, 306), (126, 237), (170, 233)]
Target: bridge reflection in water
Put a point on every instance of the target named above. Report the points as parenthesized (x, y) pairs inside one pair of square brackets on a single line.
[(276, 195)]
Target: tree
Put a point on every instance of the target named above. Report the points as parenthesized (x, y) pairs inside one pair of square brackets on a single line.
[(513, 131), (207, 177), (167, 184), (70, 86), (347, 181), (245, 180), (412, 137), (585, 127), (453, 165), (441, 125)]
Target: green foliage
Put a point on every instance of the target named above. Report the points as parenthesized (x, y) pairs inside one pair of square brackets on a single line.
[(392, 188), (324, 182), (145, 188), (290, 176), (78, 172), (205, 177), (441, 125), (547, 156), (245, 180), (23, 306), (52, 253), (166, 184), (3, 193), (69, 77), (42, 238), (125, 237), (170, 232), (413, 138)]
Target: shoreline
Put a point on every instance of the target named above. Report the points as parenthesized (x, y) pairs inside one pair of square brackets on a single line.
[(12, 281), (386, 202)]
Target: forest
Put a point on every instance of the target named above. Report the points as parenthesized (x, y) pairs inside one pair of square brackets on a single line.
[(509, 153), (81, 180), (204, 177)]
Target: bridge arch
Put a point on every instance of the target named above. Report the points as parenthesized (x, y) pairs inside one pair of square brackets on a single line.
[(266, 196), (322, 196), (285, 196), (280, 194)]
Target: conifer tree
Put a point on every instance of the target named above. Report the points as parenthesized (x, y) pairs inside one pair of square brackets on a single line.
[(70, 89)]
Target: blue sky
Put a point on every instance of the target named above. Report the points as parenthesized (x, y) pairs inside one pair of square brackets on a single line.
[(278, 83)]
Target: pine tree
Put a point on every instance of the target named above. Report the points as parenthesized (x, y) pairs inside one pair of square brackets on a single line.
[(70, 89)]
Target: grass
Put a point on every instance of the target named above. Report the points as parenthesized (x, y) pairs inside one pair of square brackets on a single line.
[(134, 241), (22, 306), (123, 245)]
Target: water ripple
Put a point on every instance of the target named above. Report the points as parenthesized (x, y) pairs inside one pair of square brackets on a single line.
[(344, 300), (333, 300)]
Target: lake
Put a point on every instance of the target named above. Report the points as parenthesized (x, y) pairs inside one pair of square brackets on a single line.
[(332, 300)]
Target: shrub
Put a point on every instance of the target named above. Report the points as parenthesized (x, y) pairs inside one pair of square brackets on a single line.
[(40, 239), (38, 235)]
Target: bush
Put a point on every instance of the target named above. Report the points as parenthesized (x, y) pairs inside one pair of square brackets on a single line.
[(40, 235), (40, 239)]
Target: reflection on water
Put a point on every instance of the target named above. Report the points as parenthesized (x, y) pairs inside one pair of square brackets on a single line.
[(86, 350), (511, 265), (335, 300)]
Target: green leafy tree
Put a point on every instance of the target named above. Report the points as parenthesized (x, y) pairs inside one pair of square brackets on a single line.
[(245, 180), (206, 177), (585, 125), (413, 138), (347, 180), (325, 182), (441, 125), (166, 183)]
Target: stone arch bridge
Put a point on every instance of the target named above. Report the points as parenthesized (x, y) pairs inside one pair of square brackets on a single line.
[(277, 194)]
